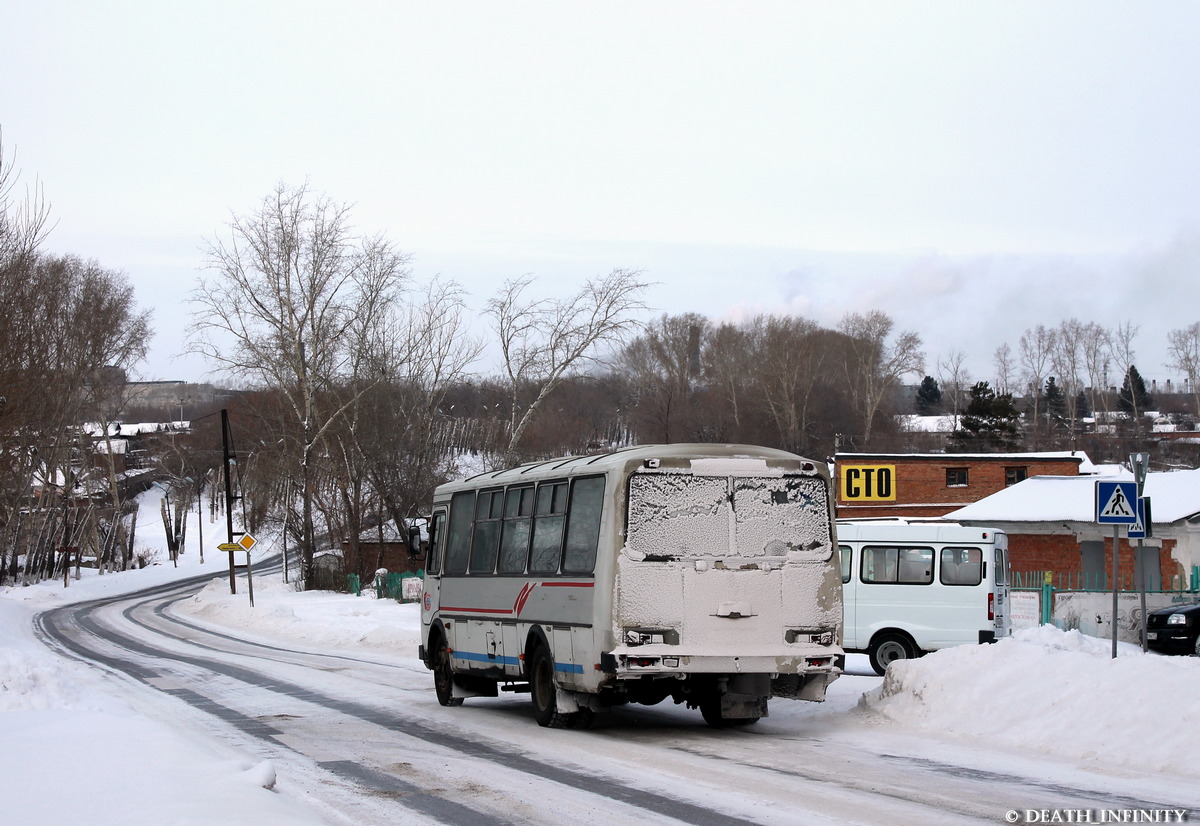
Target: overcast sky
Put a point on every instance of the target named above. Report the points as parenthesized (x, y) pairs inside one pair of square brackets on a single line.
[(972, 169)]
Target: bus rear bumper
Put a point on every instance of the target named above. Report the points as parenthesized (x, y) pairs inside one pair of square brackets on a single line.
[(652, 660)]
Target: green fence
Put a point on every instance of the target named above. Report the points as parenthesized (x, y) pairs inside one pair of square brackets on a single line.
[(390, 586), (1080, 581), (1047, 583)]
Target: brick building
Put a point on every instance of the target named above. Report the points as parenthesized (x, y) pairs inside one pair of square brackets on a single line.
[(933, 484), (1050, 522)]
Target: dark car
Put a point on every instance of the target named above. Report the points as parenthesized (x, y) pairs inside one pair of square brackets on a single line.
[(1174, 629)]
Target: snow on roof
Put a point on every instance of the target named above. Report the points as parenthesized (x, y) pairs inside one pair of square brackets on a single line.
[(1085, 464), (1175, 496)]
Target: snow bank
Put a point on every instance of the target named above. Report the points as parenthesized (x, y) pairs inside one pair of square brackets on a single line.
[(320, 619), (1046, 691)]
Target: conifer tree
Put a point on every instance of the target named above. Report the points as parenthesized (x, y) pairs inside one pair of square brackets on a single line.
[(929, 397), (989, 424)]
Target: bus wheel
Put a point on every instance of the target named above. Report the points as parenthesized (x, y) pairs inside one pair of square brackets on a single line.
[(443, 677), (887, 648), (543, 691)]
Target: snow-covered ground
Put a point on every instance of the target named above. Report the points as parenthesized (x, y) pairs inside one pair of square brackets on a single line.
[(75, 752)]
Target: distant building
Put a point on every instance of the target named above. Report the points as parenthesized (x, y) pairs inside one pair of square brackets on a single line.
[(934, 484)]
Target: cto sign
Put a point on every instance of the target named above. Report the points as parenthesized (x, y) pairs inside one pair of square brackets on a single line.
[(867, 483)]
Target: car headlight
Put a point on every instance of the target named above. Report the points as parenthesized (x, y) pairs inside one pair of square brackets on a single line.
[(1177, 619)]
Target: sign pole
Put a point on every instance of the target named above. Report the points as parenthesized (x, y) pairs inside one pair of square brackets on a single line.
[(1115, 570)]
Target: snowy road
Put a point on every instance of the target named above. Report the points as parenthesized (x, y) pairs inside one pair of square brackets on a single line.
[(361, 739)]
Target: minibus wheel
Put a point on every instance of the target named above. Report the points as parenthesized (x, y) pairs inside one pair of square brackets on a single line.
[(887, 648)]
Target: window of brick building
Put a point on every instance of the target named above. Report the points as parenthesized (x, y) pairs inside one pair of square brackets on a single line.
[(956, 477), (1012, 475)]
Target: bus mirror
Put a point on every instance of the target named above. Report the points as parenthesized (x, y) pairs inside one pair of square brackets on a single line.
[(414, 540)]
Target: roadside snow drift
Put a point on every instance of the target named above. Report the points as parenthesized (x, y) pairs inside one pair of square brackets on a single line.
[(1047, 691)]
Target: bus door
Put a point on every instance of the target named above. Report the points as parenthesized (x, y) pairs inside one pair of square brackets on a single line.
[(431, 593)]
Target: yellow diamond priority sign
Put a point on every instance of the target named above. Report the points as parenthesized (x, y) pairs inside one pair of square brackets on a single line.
[(247, 542)]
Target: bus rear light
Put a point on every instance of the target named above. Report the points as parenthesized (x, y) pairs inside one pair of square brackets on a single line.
[(642, 662), (991, 606)]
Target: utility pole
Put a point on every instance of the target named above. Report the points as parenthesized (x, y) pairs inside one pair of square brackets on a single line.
[(227, 458)]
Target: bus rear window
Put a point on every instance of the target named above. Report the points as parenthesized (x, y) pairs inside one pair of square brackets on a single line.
[(674, 516)]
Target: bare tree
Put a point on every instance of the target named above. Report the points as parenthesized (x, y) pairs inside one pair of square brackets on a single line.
[(789, 366), (1124, 355), (296, 302), (662, 366), (874, 366), (541, 341), (1005, 368), (955, 380), (1037, 351), (25, 221), (1183, 351), (1069, 363), (1097, 347), (68, 327)]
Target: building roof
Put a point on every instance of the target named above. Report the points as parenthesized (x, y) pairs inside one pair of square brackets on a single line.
[(1175, 496), (1085, 464)]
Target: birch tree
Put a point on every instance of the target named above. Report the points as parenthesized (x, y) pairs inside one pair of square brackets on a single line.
[(874, 365), (1183, 352), (1036, 353), (295, 301), (543, 340)]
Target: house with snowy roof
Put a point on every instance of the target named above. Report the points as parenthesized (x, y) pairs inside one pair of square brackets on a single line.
[(1051, 526)]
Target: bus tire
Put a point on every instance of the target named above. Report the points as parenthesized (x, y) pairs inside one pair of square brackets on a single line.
[(887, 648), (443, 675), (543, 691)]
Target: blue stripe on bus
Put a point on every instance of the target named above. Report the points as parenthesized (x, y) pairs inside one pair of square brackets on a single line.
[(568, 668)]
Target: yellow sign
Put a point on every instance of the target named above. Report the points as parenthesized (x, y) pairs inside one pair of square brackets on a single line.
[(229, 547), (247, 542), (868, 483)]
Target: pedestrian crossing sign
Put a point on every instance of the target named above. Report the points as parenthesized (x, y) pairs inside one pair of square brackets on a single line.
[(1116, 503)]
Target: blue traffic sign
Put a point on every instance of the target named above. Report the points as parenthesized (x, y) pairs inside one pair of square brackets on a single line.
[(1116, 503), (1141, 529)]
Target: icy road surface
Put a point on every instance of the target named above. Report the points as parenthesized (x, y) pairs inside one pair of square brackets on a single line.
[(358, 736)]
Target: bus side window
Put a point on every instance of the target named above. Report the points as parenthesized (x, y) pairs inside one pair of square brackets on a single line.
[(847, 554), (583, 525), (437, 530), (458, 537), (962, 566), (514, 541), (548, 517), (488, 511)]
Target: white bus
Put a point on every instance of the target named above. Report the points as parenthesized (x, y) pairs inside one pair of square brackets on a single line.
[(910, 587), (700, 572)]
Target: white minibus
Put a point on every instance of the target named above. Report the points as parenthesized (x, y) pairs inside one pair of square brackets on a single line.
[(912, 586), (702, 573)]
